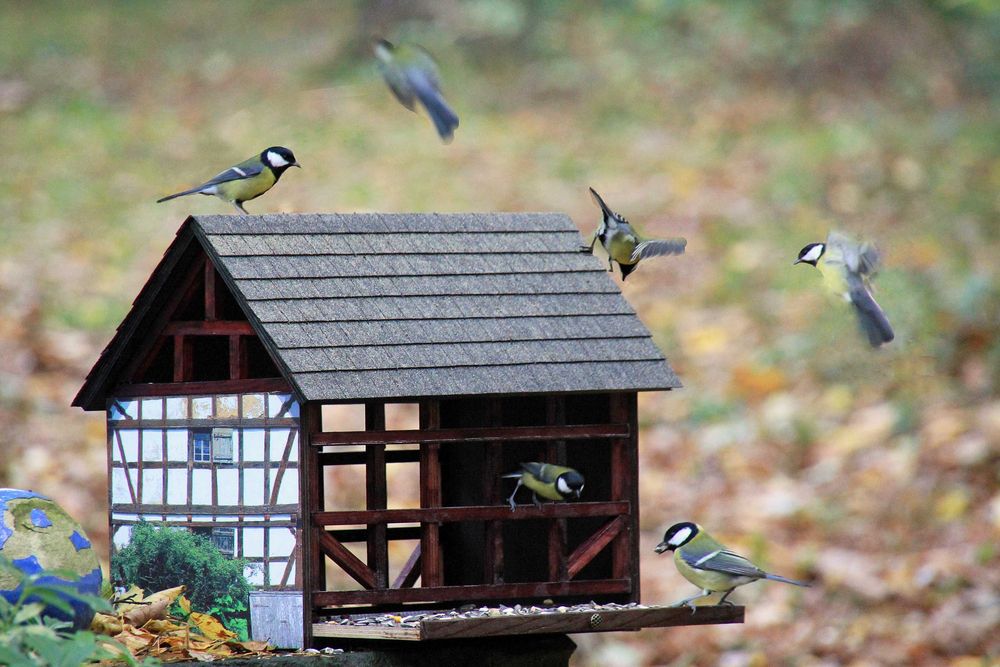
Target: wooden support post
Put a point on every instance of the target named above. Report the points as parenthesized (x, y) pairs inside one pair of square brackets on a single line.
[(209, 291), (430, 496), (624, 486), (555, 452), (376, 495), (182, 359), (236, 357), (493, 558), (310, 559)]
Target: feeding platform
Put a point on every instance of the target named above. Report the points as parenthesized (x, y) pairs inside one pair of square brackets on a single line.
[(517, 620)]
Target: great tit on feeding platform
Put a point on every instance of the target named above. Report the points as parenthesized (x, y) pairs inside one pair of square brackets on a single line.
[(624, 244), (709, 565), (412, 75), (847, 268), (247, 180), (548, 481)]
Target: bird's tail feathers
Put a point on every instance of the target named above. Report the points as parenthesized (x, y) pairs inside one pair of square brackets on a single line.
[(180, 194), (872, 320), (513, 475), (784, 580), (445, 119)]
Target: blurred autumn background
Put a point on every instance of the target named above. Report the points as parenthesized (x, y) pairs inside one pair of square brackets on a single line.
[(751, 128)]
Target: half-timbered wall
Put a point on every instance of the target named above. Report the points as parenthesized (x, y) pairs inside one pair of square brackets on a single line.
[(224, 465)]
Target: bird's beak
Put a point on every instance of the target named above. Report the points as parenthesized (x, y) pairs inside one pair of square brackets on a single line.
[(296, 164), (661, 547), (796, 262)]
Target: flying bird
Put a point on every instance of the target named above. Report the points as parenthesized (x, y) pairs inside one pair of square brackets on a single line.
[(548, 481), (847, 268), (247, 180), (709, 565), (624, 244), (412, 75)]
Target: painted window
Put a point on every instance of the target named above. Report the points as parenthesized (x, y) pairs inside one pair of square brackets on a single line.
[(225, 540), (201, 446)]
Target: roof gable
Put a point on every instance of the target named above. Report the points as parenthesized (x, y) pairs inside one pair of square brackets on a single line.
[(369, 306)]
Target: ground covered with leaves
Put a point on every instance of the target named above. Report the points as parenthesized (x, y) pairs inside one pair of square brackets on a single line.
[(750, 128)]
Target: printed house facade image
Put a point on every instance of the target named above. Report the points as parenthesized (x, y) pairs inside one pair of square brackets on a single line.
[(223, 383)]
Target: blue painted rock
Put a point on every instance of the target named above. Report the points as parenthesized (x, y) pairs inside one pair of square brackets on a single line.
[(37, 535)]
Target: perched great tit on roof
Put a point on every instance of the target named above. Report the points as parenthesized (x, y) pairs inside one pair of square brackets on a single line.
[(624, 244), (847, 268), (709, 565), (548, 481), (247, 180), (412, 75)]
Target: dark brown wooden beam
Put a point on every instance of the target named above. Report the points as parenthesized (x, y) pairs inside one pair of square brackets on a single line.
[(473, 593), (235, 422), (438, 435), (211, 387), (209, 328), (311, 497), (352, 535), (376, 495), (207, 510), (471, 513), (209, 291), (182, 360), (431, 560), (555, 451), (361, 458), (493, 454), (347, 561), (410, 572), (593, 545)]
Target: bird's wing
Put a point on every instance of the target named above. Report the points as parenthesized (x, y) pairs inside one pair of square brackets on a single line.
[(723, 561), (657, 247), (245, 169), (398, 84), (860, 259), (872, 320), (536, 470), (869, 260), (423, 60)]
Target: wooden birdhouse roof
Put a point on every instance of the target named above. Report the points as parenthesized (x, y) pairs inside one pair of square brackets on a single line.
[(369, 306)]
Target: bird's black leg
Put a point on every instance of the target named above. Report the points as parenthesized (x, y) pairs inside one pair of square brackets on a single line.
[(239, 207), (611, 268), (722, 600), (534, 496), (510, 500)]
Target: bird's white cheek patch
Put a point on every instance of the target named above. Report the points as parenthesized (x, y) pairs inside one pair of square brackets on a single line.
[(276, 160), (562, 487), (813, 253), (679, 537)]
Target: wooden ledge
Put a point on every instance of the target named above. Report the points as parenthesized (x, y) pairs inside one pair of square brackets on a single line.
[(570, 622)]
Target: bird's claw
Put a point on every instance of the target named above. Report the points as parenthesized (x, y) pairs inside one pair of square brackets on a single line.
[(586, 250)]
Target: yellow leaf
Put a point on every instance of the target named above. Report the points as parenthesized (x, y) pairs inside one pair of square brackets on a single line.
[(210, 626), (184, 604), (168, 594), (105, 624)]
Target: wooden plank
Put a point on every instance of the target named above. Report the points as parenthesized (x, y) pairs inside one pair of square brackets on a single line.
[(582, 621), (555, 415), (471, 513), (247, 386), (625, 549), (205, 423), (283, 465), (211, 328), (431, 560), (593, 545), (235, 357), (311, 561), (376, 495), (411, 571), (360, 458), (209, 291), (473, 434), (347, 561), (352, 535), (179, 359), (520, 591), (398, 633), (492, 471), (620, 487), (270, 523), (206, 510)]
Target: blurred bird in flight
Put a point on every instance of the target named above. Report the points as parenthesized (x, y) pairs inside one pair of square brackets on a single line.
[(847, 268), (412, 75), (624, 244)]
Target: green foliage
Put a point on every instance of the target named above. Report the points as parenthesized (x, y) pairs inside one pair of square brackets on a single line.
[(30, 639), (158, 558)]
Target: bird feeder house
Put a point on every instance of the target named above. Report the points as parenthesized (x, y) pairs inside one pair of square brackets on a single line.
[(224, 385)]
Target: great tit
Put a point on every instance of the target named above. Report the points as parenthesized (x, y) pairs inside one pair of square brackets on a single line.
[(247, 180), (709, 565), (624, 244), (412, 75), (847, 268), (548, 481)]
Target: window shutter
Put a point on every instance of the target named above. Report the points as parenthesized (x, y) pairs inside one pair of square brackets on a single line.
[(222, 444)]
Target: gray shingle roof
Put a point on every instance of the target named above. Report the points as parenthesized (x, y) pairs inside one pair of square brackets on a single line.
[(390, 305), (365, 306)]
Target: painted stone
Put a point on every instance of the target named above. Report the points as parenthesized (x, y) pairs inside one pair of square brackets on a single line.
[(37, 535)]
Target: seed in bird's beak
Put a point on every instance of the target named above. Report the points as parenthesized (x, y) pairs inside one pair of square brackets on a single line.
[(661, 547)]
